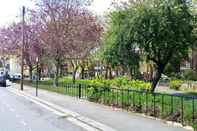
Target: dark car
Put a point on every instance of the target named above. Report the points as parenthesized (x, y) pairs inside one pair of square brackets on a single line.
[(15, 77), (2, 79)]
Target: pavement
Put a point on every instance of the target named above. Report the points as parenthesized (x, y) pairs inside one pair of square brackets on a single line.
[(99, 117)]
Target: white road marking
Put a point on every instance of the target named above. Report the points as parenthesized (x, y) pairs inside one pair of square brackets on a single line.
[(44, 106), (17, 116), (81, 124), (23, 122), (12, 109), (9, 107), (76, 118)]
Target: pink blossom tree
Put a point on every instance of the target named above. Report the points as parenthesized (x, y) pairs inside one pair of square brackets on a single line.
[(70, 32)]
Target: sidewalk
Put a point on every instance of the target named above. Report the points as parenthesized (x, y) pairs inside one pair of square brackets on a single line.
[(118, 120)]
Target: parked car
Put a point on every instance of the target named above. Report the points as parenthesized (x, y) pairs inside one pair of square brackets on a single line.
[(2, 78), (15, 77)]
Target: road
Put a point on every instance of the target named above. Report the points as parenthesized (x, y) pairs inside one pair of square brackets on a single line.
[(19, 114)]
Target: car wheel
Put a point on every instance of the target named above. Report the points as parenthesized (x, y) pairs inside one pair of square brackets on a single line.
[(4, 84)]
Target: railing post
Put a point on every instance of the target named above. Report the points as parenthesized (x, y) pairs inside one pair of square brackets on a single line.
[(182, 112), (104, 89), (122, 98), (112, 100), (79, 91), (154, 104), (162, 105), (147, 102), (193, 111), (140, 103), (117, 97), (172, 105), (133, 98), (128, 100)]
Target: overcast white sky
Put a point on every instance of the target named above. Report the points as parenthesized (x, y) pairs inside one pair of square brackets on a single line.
[(100, 6), (10, 9)]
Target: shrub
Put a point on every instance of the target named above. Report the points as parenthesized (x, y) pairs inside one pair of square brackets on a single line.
[(139, 85), (190, 75), (176, 84), (120, 82)]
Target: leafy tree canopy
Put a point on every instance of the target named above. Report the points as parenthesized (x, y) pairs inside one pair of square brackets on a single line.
[(162, 30)]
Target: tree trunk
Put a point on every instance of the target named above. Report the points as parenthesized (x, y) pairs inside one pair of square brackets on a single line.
[(62, 71), (157, 78), (110, 73), (30, 72), (106, 72), (57, 75), (82, 72), (74, 74), (39, 73), (75, 68), (117, 72)]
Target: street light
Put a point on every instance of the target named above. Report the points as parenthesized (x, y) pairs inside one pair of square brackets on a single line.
[(37, 60)]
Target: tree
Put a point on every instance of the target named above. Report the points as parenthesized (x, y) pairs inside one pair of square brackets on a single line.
[(194, 48), (70, 32), (11, 40), (161, 29), (119, 49)]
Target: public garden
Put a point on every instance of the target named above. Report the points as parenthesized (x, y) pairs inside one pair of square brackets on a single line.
[(140, 56)]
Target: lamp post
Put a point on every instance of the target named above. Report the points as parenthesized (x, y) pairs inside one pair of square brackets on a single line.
[(23, 44), (37, 60)]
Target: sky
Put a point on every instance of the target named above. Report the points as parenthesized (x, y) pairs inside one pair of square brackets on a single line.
[(10, 10), (100, 6)]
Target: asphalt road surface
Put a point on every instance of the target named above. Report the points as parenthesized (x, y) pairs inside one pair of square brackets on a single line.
[(19, 114)]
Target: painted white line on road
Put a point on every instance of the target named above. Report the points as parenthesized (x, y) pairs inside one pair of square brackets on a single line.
[(72, 120), (38, 103), (81, 124), (11, 109), (23, 123), (17, 116), (76, 118), (7, 105)]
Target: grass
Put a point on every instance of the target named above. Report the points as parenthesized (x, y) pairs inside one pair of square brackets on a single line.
[(174, 108)]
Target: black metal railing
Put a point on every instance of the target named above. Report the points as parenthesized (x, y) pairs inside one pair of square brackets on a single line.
[(173, 107)]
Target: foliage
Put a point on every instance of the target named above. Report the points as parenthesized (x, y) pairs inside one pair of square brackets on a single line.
[(173, 67), (119, 82), (190, 75), (139, 85), (118, 49), (70, 32), (175, 84), (162, 30), (58, 30)]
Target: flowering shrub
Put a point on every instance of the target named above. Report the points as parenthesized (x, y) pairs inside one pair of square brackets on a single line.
[(176, 84), (119, 82)]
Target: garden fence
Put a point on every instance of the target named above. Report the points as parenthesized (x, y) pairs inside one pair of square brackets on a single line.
[(173, 107)]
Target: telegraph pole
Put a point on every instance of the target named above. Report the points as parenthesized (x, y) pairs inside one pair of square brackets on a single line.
[(23, 44)]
